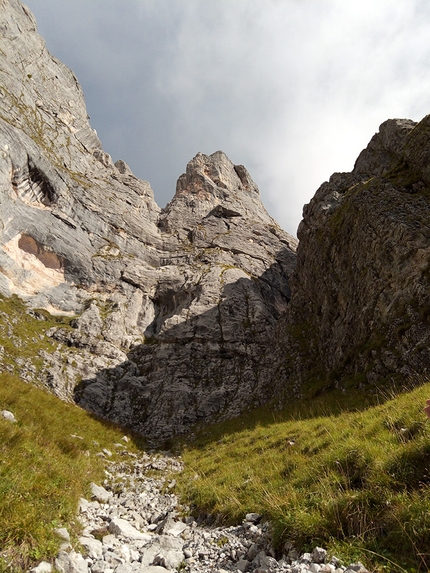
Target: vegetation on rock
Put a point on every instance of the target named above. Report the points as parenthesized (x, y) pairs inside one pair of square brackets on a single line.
[(199, 312)]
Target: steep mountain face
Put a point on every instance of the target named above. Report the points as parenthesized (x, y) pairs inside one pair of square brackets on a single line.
[(210, 309), (361, 299), (173, 310), (193, 312)]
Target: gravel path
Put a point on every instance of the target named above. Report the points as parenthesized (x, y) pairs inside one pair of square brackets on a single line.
[(134, 523)]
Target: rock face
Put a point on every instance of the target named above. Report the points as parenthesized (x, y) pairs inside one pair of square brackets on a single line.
[(173, 310), (361, 299), (183, 315), (206, 312)]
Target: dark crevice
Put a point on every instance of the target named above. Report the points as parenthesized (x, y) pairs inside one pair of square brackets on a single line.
[(32, 186)]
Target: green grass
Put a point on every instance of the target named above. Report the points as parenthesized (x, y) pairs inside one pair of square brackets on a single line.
[(22, 335), (346, 470), (354, 481), (44, 470)]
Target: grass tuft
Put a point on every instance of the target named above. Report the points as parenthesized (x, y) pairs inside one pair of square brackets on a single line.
[(44, 470), (356, 482)]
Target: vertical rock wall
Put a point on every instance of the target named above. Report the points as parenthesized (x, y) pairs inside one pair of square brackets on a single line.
[(361, 298)]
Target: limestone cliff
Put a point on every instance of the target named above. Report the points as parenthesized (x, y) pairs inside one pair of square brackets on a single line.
[(360, 311), (193, 312), (173, 310)]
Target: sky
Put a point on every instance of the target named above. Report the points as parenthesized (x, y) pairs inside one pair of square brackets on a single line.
[(292, 89)]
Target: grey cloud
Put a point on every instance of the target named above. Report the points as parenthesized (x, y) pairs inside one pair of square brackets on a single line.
[(292, 89)]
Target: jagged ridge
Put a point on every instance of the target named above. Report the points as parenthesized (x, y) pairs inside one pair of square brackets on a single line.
[(175, 308)]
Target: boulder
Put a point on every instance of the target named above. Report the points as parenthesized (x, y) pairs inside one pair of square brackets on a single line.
[(123, 528), (99, 493), (71, 563), (6, 415)]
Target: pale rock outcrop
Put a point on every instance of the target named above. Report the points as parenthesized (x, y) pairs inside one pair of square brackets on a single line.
[(173, 310), (183, 315), (209, 311)]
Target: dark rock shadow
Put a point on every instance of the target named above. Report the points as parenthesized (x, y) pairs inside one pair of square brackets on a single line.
[(211, 366)]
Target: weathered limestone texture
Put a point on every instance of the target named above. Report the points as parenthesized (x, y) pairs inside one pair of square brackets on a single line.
[(183, 315), (361, 298), (207, 312), (175, 309)]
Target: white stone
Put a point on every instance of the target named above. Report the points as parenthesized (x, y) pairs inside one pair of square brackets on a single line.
[(99, 493), (71, 563), (109, 541), (134, 554), (8, 416), (63, 533), (271, 563), (174, 528), (151, 569), (124, 568), (93, 546), (122, 527), (253, 517), (319, 555), (113, 559), (83, 505), (43, 567), (99, 567), (125, 553), (166, 547)]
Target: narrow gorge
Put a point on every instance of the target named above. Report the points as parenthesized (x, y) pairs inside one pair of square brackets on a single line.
[(161, 323)]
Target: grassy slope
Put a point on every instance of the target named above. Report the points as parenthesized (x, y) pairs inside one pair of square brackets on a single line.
[(322, 471), (44, 470), (355, 481), (22, 337)]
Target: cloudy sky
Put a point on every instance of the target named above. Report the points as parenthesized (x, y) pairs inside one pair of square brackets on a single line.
[(292, 89)]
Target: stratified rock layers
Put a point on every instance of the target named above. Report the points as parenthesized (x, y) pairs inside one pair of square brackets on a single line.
[(174, 309), (183, 315), (208, 310)]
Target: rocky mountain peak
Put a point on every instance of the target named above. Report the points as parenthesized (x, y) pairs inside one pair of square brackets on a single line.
[(199, 311), (360, 300), (390, 140), (171, 307), (208, 175), (213, 186), (39, 94)]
